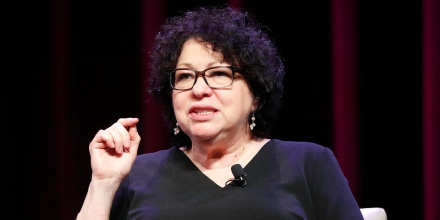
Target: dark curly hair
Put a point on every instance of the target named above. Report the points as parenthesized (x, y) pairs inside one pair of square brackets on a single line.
[(243, 42)]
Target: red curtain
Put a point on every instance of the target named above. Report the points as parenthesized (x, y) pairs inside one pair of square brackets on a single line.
[(64, 161), (431, 108), (344, 74), (152, 130)]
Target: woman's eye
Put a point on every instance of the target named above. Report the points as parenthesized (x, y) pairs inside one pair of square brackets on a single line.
[(184, 76), (218, 73)]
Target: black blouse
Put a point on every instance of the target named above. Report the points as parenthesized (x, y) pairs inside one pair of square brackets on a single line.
[(285, 180)]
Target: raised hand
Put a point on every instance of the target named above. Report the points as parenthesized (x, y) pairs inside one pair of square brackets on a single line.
[(113, 150)]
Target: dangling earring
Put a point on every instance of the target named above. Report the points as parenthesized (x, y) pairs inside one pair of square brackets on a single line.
[(252, 124), (176, 129)]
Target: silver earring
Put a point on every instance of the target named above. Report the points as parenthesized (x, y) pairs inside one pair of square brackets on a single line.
[(252, 125), (176, 129)]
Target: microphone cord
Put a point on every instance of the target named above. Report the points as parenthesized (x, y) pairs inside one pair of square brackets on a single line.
[(237, 182), (229, 181)]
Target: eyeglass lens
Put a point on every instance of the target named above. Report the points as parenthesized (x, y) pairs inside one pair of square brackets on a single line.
[(215, 77)]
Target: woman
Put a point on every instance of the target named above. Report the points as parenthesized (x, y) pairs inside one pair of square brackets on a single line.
[(219, 78)]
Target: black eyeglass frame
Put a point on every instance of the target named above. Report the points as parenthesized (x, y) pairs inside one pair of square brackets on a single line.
[(233, 68)]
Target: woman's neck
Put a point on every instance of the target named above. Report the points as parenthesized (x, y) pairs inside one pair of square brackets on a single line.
[(208, 157)]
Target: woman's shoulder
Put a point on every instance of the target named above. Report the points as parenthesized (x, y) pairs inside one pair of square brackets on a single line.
[(300, 149), (298, 145), (309, 154), (156, 156)]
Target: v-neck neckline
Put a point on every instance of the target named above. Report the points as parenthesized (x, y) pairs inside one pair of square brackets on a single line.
[(204, 178)]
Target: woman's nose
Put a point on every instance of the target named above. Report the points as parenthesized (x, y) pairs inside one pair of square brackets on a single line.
[(201, 88)]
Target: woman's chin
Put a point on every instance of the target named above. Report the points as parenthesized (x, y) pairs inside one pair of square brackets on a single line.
[(203, 134)]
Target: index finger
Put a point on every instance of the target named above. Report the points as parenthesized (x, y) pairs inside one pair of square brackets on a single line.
[(128, 122)]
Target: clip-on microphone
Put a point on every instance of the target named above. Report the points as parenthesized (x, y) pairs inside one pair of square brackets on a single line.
[(239, 175)]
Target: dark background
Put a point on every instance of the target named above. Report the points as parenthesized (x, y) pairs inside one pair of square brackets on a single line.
[(99, 52)]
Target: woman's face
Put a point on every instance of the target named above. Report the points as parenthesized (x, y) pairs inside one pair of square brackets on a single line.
[(207, 114)]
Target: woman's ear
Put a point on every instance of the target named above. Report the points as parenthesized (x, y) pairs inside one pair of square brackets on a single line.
[(255, 104)]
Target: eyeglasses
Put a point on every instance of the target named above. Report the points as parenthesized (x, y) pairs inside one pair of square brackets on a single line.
[(215, 77)]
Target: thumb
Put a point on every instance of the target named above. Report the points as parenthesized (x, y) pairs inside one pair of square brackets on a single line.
[(135, 138)]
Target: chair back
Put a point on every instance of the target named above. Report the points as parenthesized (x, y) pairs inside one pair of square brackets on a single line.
[(374, 213)]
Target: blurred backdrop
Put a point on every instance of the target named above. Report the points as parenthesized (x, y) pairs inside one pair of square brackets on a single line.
[(363, 79)]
